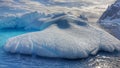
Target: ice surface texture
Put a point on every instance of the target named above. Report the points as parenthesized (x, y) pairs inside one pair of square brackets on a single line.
[(63, 36)]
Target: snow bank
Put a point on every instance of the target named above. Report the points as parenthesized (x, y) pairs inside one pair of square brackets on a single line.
[(65, 36)]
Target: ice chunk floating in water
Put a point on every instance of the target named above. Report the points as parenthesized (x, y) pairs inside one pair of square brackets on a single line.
[(65, 36)]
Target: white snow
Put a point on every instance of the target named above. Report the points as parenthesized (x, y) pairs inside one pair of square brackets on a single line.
[(76, 39)]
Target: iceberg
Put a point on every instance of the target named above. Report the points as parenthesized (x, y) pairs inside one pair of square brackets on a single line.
[(64, 36), (25, 21), (28, 21), (110, 20)]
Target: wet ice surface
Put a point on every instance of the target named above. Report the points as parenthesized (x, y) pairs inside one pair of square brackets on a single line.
[(7, 60), (7, 33)]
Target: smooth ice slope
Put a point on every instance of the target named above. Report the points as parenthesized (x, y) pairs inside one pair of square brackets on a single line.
[(64, 36)]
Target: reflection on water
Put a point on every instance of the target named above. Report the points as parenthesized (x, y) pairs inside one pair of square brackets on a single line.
[(7, 60), (106, 60)]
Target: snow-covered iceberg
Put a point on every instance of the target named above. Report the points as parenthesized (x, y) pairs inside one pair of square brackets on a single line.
[(110, 20), (64, 28), (64, 36)]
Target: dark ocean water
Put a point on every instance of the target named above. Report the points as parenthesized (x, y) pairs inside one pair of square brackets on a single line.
[(8, 60)]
